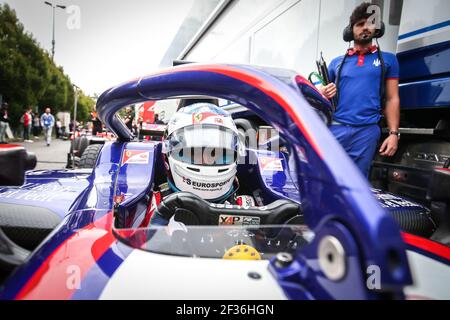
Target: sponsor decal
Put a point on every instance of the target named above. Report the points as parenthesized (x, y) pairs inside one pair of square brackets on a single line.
[(245, 201), (210, 186), (230, 220), (271, 164), (397, 203), (38, 192), (225, 205), (135, 157), (197, 118), (391, 201), (200, 117), (203, 109)]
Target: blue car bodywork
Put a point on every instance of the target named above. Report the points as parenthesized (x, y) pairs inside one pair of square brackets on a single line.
[(336, 200)]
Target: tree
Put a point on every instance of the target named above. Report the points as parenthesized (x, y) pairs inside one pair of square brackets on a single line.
[(85, 106), (28, 76)]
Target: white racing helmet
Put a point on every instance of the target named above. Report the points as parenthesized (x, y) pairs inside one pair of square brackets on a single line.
[(201, 151)]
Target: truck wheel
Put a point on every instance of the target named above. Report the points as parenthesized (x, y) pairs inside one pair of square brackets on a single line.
[(89, 156), (84, 143), (78, 145)]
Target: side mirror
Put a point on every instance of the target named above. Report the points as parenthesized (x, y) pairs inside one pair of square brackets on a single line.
[(14, 161)]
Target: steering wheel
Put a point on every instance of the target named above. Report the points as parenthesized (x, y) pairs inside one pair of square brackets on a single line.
[(190, 209)]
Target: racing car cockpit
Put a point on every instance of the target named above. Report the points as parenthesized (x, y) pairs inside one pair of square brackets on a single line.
[(208, 187), (204, 205)]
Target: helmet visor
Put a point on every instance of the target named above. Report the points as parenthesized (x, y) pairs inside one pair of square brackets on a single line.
[(206, 145)]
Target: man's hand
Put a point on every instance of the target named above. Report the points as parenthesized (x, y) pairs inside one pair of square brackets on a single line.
[(329, 91), (392, 113), (389, 146)]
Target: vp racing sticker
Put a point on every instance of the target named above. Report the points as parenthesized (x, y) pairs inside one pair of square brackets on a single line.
[(231, 220)]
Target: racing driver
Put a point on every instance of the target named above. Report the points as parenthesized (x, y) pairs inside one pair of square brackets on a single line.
[(200, 154)]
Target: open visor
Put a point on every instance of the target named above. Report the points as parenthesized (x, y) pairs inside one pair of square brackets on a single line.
[(206, 145)]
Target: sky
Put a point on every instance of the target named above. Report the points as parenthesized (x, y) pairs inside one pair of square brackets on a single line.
[(110, 41)]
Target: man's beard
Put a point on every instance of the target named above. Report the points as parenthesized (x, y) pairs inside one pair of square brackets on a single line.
[(364, 41)]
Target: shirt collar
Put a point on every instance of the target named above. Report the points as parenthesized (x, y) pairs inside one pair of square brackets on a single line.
[(371, 49)]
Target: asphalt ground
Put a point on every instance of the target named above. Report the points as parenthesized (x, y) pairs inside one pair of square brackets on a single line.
[(52, 157)]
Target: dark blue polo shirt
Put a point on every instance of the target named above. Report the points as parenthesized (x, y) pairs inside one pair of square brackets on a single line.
[(359, 94)]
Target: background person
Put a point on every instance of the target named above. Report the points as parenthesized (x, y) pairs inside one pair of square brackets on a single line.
[(129, 118), (156, 120), (4, 120), (36, 126), (58, 126), (366, 78), (140, 128), (27, 120), (47, 123), (96, 124)]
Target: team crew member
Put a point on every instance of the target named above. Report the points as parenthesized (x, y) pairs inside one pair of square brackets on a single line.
[(365, 78), (129, 118), (201, 156), (157, 120), (97, 126)]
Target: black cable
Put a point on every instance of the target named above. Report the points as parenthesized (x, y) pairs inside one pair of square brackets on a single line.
[(338, 77)]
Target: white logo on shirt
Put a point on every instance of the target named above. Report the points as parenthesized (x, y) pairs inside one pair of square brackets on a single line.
[(377, 63)]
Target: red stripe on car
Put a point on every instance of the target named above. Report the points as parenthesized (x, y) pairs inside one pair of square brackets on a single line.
[(59, 273), (10, 146), (427, 245)]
